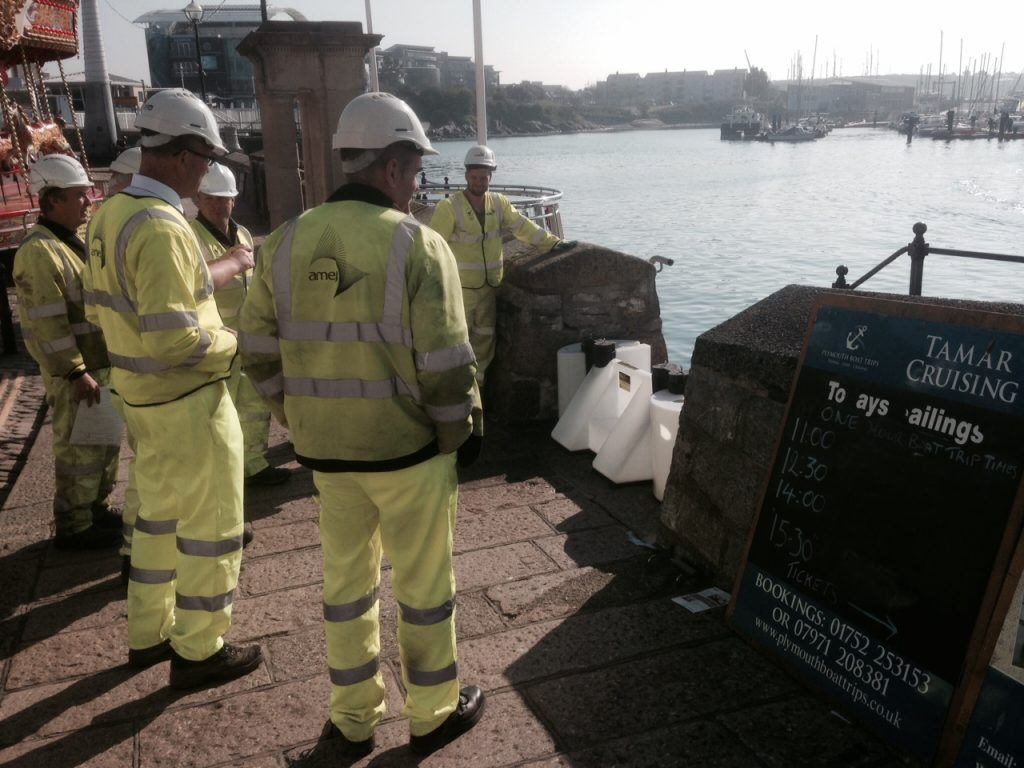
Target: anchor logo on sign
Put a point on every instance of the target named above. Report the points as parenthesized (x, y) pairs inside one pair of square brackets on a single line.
[(855, 340)]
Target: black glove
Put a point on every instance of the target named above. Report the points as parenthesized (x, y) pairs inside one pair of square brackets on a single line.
[(564, 245), (469, 451)]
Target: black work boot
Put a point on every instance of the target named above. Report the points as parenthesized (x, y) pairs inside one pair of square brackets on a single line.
[(339, 745), (91, 538), (106, 517), (142, 658), (466, 715), (229, 662)]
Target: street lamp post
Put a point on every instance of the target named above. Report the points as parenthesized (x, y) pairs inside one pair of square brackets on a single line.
[(194, 13)]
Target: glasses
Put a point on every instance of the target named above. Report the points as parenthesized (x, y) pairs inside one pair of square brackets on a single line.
[(208, 158)]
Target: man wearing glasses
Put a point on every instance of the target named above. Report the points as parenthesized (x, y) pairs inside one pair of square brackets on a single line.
[(149, 289)]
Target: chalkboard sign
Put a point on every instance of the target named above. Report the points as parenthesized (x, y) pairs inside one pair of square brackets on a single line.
[(891, 510)]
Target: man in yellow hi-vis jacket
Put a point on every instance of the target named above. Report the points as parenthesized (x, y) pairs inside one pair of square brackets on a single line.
[(149, 289), (218, 234), (473, 221), (70, 351), (354, 332)]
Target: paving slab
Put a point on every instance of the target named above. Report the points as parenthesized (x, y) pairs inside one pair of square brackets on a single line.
[(89, 748), (675, 686), (237, 727), (498, 497), (480, 530), (580, 642), (276, 613), (566, 514), (273, 539), (76, 612), (68, 578), (701, 743), (603, 545), (66, 655), (291, 568), (114, 695), (800, 733), (486, 567)]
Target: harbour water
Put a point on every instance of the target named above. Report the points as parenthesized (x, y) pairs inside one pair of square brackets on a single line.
[(742, 219)]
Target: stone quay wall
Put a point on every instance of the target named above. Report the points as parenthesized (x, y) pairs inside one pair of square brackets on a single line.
[(549, 300), (741, 374)]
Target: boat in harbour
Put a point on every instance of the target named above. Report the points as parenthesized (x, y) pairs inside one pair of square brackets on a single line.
[(743, 123), (792, 135)]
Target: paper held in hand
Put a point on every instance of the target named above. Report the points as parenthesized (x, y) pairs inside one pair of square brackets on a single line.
[(99, 424)]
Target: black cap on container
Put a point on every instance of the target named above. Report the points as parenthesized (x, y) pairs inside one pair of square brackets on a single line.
[(677, 382), (587, 347), (604, 352), (659, 376)]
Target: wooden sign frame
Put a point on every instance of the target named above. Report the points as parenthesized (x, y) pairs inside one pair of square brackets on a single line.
[(994, 599)]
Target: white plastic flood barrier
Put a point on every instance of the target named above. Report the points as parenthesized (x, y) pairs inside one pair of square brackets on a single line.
[(665, 408), (625, 452), (573, 428), (572, 368)]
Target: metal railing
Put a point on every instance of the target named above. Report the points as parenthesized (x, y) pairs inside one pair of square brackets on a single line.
[(918, 249), (541, 205)]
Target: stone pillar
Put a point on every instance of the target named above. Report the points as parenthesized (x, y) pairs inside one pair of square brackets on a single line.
[(550, 300), (320, 67)]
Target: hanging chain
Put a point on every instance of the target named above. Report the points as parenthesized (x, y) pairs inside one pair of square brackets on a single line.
[(43, 94), (26, 74), (74, 120)]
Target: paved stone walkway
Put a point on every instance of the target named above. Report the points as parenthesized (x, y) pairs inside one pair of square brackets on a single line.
[(564, 622)]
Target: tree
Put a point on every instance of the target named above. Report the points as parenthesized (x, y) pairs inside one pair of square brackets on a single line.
[(756, 83)]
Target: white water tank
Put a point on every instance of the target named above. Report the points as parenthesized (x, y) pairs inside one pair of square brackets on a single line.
[(624, 453), (665, 408), (573, 428), (572, 367)]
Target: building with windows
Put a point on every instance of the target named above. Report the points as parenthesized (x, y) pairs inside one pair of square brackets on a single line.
[(171, 46), (657, 88), (420, 66)]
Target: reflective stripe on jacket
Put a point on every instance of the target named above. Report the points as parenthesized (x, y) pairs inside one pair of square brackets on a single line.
[(353, 329), (148, 288), (478, 251), (229, 298), (48, 280)]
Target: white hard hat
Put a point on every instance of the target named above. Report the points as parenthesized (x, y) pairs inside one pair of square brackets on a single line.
[(481, 156), (377, 120), (128, 161), (219, 181), (58, 171), (177, 112)]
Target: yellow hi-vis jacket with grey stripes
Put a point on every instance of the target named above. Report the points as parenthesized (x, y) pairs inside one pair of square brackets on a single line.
[(478, 250), (229, 298), (353, 330), (148, 288), (48, 279)]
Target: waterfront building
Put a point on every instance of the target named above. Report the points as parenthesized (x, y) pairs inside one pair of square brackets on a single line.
[(420, 66), (171, 48), (852, 97), (655, 88)]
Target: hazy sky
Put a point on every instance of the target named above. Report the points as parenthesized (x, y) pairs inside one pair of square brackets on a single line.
[(577, 42)]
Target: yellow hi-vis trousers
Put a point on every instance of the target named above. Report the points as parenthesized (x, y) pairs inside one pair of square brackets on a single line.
[(481, 316), (187, 544), (130, 511), (254, 416), (83, 474), (411, 514)]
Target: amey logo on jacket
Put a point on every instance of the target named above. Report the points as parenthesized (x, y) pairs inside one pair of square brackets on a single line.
[(330, 264)]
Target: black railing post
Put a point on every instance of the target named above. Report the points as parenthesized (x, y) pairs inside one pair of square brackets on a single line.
[(841, 273), (918, 249), (10, 342)]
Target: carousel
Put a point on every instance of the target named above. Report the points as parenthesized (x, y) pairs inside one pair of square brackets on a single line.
[(32, 33)]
